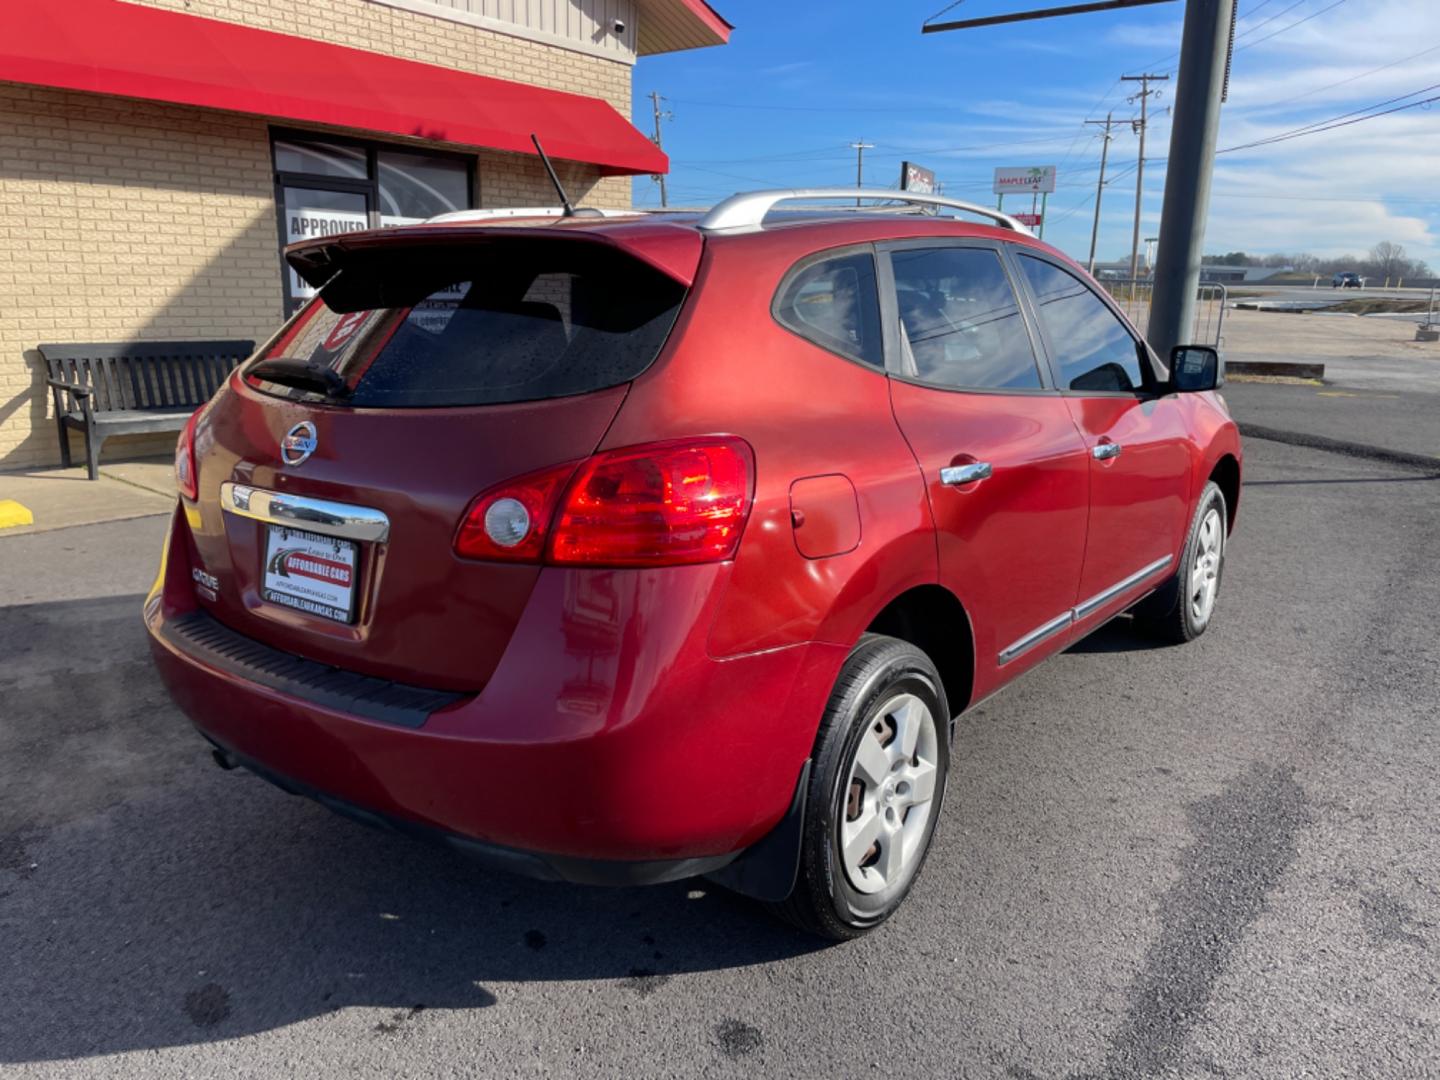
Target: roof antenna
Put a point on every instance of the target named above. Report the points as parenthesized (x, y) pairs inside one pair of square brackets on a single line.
[(564, 199)]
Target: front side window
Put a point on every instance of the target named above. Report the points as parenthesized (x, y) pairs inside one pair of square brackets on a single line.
[(834, 303), (1094, 352), (960, 324)]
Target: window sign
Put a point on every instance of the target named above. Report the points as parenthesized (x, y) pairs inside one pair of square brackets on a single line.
[(311, 212)]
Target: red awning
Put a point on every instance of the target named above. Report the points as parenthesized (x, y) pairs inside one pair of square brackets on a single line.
[(110, 47)]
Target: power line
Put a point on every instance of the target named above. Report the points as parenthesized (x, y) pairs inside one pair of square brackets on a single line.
[(1290, 26), (1313, 129), (1355, 78)]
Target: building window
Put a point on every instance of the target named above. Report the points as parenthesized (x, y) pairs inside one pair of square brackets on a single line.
[(326, 185)]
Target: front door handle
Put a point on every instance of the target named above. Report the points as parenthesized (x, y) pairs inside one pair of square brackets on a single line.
[(955, 475), (1105, 451)]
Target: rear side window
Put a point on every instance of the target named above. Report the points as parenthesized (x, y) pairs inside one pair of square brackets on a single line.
[(834, 303), (960, 324), (1093, 349), (483, 323)]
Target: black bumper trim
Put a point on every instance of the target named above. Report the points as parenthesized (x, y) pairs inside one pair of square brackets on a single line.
[(202, 637), (532, 864)]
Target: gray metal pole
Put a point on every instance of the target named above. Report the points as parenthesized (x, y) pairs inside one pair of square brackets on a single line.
[(1204, 51)]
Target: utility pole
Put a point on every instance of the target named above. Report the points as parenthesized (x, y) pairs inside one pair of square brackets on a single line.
[(860, 147), (655, 100), (1144, 96), (1200, 89), (1100, 187)]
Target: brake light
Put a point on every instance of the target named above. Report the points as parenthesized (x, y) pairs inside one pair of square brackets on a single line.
[(509, 522), (665, 504), (186, 478)]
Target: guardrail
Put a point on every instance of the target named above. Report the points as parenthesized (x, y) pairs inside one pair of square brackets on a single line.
[(1134, 295)]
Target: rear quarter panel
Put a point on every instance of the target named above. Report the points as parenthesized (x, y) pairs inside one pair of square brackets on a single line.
[(806, 412)]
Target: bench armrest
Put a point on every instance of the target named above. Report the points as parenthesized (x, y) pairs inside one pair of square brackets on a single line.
[(77, 389)]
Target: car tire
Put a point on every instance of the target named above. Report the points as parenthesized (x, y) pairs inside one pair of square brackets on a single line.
[(871, 807), (1182, 609)]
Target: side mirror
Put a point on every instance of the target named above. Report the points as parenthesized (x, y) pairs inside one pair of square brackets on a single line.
[(1194, 368)]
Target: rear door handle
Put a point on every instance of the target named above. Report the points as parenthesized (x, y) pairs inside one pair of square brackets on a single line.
[(1105, 451), (954, 475)]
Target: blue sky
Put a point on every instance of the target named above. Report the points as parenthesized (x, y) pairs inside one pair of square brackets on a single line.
[(798, 82)]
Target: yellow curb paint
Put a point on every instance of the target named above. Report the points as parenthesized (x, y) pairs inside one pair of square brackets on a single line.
[(12, 514)]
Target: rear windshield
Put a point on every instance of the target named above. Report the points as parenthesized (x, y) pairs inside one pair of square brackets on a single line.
[(482, 323)]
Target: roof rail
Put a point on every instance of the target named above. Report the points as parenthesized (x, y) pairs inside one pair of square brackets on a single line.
[(748, 209), (455, 216)]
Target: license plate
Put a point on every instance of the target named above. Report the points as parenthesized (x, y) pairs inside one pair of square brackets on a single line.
[(310, 572)]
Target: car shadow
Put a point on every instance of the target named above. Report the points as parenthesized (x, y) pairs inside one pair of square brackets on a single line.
[(1116, 636), (149, 899)]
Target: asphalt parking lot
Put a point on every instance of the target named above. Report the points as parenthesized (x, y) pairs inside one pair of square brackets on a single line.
[(1222, 859)]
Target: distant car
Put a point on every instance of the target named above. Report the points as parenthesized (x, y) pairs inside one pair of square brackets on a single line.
[(628, 550), (1347, 279)]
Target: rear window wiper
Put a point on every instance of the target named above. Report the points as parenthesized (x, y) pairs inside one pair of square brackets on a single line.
[(302, 374)]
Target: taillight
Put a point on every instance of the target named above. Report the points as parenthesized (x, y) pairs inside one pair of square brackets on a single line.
[(664, 504), (185, 476), (509, 522), (660, 505)]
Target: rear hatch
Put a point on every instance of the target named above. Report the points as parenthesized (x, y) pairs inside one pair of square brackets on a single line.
[(431, 367)]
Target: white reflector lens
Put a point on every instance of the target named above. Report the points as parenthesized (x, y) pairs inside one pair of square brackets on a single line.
[(507, 522)]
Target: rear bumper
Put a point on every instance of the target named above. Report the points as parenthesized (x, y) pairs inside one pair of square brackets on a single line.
[(598, 740), (531, 864)]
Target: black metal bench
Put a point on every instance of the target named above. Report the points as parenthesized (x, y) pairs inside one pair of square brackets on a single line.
[(133, 387)]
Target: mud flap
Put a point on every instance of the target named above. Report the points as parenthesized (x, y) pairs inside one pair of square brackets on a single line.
[(766, 869)]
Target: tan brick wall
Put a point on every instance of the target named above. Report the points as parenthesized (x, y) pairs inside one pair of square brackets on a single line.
[(127, 220), (433, 40), (124, 220)]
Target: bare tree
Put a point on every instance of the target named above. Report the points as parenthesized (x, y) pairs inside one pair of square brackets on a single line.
[(1388, 260)]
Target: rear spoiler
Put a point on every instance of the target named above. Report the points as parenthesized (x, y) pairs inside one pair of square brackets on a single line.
[(672, 249)]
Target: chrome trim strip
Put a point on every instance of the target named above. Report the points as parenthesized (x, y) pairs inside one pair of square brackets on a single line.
[(747, 210), (1080, 611), (1099, 600), (298, 511), (1035, 637)]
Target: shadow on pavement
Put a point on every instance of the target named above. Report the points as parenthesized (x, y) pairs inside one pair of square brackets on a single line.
[(1117, 636), (148, 899)]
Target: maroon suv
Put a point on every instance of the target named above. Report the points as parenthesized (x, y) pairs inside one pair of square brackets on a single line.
[(624, 549)]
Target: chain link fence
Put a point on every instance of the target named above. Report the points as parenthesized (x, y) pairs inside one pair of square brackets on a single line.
[(1133, 295)]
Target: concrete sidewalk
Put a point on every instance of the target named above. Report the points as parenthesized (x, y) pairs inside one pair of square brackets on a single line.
[(60, 498)]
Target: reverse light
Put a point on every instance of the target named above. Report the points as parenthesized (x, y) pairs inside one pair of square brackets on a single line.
[(186, 478), (662, 504), (508, 522)]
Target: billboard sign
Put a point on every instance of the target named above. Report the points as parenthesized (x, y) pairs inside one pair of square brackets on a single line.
[(1030, 220), (1037, 179), (916, 178)]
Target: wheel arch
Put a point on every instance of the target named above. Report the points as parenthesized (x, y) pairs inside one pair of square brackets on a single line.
[(1226, 476), (928, 617)]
